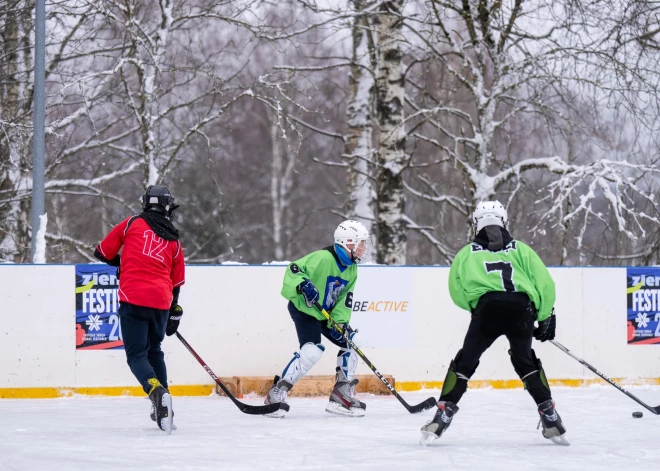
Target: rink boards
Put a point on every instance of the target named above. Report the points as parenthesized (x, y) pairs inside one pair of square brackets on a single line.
[(236, 320)]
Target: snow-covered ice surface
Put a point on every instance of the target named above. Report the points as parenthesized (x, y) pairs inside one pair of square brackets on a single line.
[(494, 430)]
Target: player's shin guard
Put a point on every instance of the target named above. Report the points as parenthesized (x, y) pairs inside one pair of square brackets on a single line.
[(456, 381), (534, 379), (342, 398), (302, 362), (347, 361), (299, 365)]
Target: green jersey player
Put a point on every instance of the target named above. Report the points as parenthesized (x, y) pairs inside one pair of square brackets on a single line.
[(506, 287), (326, 276)]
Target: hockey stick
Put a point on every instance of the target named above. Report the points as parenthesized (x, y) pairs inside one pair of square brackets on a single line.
[(246, 408), (427, 404), (655, 410)]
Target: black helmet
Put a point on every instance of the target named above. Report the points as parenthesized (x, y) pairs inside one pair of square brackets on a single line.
[(159, 198)]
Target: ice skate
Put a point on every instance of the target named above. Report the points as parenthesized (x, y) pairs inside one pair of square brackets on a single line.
[(553, 428), (441, 422), (342, 398), (152, 415), (276, 394), (162, 403)]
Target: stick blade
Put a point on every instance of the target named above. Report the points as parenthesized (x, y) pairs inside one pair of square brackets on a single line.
[(265, 409), (430, 403)]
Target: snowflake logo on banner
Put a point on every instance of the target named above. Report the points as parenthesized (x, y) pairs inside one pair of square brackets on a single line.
[(94, 322), (642, 320)]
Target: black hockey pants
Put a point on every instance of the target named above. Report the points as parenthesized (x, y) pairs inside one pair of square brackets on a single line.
[(309, 329), (499, 313)]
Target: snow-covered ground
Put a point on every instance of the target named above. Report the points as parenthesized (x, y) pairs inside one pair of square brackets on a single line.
[(494, 430)]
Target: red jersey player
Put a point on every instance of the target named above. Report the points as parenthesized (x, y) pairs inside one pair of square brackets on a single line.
[(152, 272)]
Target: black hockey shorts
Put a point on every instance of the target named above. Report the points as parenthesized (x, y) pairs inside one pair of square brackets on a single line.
[(496, 314), (310, 329)]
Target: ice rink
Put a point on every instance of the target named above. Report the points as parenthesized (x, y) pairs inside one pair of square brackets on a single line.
[(494, 430)]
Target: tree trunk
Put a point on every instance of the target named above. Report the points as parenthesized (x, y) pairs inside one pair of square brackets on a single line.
[(15, 138), (275, 195), (359, 146), (149, 75), (281, 184), (391, 228)]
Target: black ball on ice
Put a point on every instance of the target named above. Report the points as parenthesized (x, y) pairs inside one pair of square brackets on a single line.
[(637, 415)]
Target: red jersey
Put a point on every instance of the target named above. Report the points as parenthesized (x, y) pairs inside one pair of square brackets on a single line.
[(150, 265)]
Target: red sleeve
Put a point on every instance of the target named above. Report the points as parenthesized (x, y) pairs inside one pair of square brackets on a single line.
[(109, 247), (178, 267)]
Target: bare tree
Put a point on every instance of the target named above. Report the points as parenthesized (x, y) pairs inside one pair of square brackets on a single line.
[(131, 87), (269, 119), (512, 65)]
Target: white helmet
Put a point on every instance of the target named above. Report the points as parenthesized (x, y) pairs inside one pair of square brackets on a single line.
[(353, 233), (489, 213)]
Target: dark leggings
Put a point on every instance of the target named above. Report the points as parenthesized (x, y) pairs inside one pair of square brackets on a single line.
[(496, 314), (143, 330)]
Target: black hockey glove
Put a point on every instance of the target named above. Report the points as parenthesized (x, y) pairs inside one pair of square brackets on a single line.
[(114, 262), (309, 291), (173, 321), (546, 329)]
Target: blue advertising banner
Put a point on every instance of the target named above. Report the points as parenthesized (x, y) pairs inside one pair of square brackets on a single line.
[(643, 292), (97, 304)]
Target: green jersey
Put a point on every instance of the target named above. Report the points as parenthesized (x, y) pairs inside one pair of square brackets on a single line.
[(334, 281), (476, 270)]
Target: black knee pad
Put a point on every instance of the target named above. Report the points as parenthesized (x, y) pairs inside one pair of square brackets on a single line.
[(520, 369), (464, 371), (455, 383), (535, 381)]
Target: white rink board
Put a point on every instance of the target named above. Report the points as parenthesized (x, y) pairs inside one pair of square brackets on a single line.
[(235, 318)]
